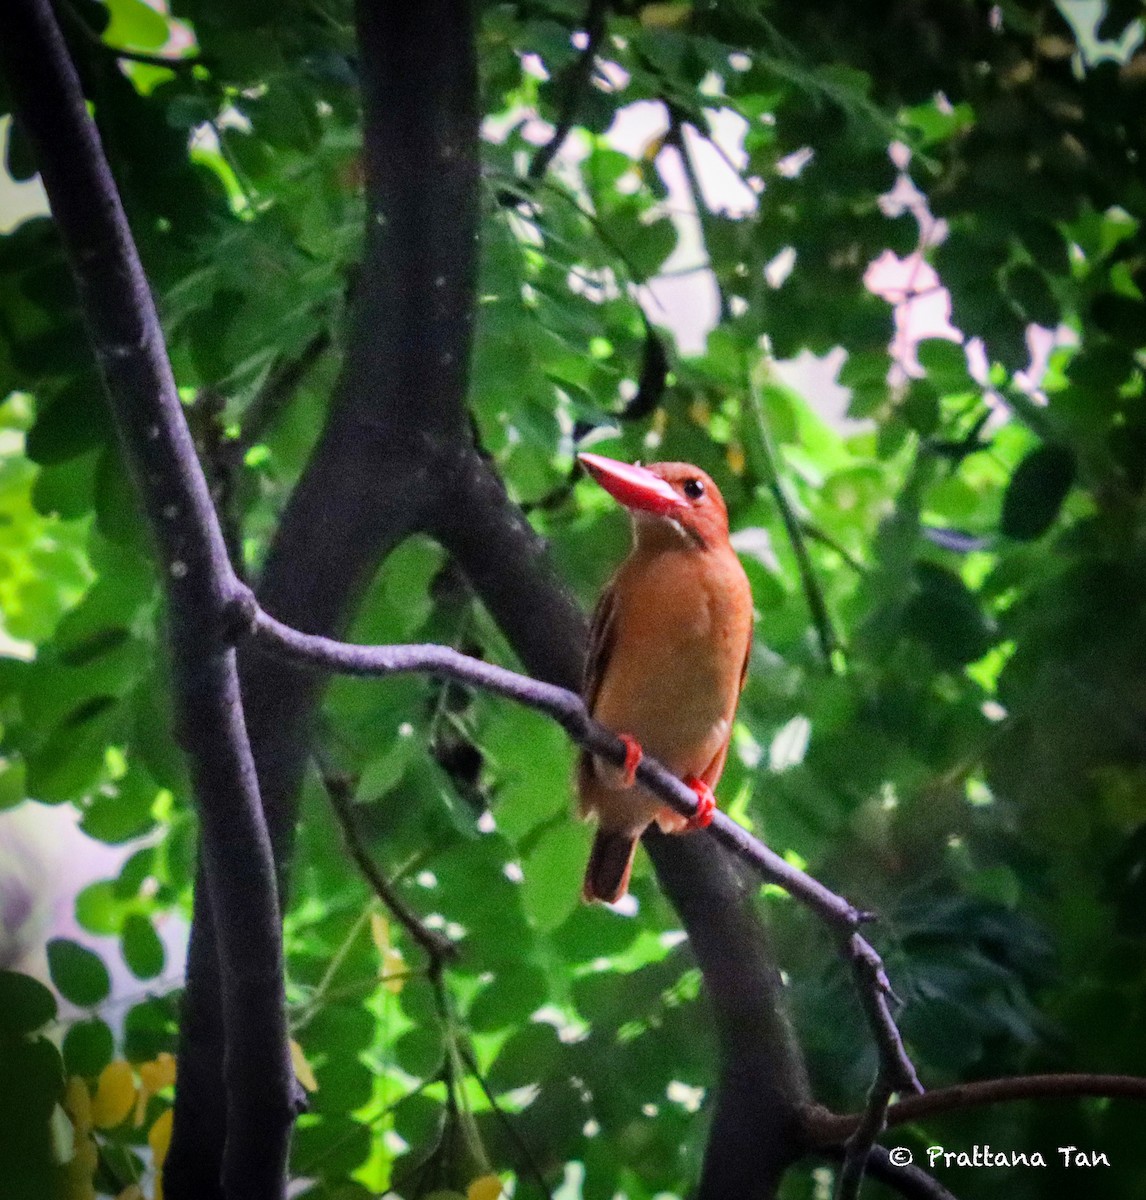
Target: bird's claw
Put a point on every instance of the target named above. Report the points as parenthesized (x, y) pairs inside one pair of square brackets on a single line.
[(633, 756), (705, 804)]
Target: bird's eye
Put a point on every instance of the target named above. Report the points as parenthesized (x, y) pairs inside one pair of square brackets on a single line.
[(693, 489)]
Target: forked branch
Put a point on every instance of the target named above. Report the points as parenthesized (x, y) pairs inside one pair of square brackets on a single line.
[(568, 709)]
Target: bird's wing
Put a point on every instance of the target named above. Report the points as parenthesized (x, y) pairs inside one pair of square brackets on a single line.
[(747, 659), (602, 637)]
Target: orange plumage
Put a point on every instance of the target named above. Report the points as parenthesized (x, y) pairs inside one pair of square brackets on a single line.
[(668, 654)]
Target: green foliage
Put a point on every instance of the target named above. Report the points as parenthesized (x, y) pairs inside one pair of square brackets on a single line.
[(78, 973), (968, 763)]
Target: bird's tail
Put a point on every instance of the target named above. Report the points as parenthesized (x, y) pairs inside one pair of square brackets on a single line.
[(610, 861)]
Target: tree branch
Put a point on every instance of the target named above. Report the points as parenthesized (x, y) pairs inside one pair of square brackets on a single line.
[(675, 138), (576, 82), (340, 791), (568, 709), (507, 565), (376, 473), (280, 385), (522, 1146), (824, 1128), (258, 1086), (859, 1146), (909, 1181)]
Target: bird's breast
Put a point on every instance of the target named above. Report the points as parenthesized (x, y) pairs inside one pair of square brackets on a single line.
[(683, 624)]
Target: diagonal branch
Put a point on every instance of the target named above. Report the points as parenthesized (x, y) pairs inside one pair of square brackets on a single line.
[(502, 1118), (858, 1148), (824, 1128), (576, 82), (568, 709), (257, 1082), (340, 791), (277, 390), (910, 1181)]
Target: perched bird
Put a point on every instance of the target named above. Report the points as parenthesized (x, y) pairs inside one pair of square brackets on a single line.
[(668, 654)]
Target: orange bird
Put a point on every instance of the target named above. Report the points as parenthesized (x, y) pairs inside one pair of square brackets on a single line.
[(668, 654)]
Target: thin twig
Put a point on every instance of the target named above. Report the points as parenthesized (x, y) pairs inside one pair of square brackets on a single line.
[(281, 383), (610, 243), (908, 1180), (578, 80), (828, 1128), (859, 1145), (503, 1119), (894, 1066), (568, 709), (761, 442), (817, 534), (340, 791), (675, 138)]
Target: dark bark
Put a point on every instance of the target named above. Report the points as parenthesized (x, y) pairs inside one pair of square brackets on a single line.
[(507, 564), (383, 457), (255, 1083), (756, 1125)]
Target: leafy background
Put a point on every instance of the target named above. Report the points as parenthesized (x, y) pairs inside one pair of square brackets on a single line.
[(957, 742)]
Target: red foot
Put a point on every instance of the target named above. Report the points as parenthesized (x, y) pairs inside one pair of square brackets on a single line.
[(705, 804), (633, 756)]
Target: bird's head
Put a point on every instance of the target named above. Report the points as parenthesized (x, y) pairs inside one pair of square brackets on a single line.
[(664, 498)]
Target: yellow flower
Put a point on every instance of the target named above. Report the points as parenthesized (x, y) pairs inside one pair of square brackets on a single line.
[(154, 1076), (159, 1138), (115, 1095), (488, 1187)]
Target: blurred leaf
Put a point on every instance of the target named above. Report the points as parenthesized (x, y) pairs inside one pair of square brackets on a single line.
[(25, 1004), (1036, 492), (945, 615), (78, 973), (142, 949), (88, 1047), (553, 871)]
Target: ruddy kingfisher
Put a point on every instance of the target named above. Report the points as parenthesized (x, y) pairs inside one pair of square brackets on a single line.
[(668, 654)]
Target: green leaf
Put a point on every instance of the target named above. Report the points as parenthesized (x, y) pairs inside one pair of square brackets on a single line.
[(149, 1028), (78, 973), (1035, 495), (99, 909), (946, 364), (946, 616), (1031, 292), (75, 422), (25, 1004), (551, 889), (513, 996), (125, 814), (142, 950), (135, 24), (12, 786), (88, 1048)]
